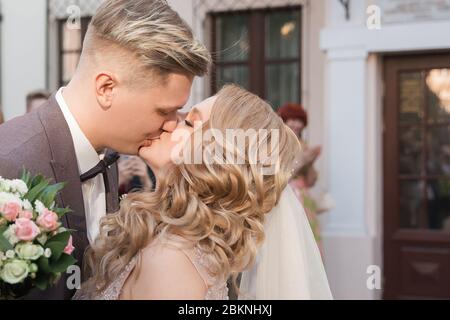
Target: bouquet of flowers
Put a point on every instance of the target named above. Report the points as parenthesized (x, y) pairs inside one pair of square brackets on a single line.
[(34, 247)]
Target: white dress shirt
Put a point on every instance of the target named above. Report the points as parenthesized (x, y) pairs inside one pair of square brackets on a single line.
[(94, 195)]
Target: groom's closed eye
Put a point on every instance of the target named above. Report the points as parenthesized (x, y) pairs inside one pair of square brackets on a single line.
[(164, 111)]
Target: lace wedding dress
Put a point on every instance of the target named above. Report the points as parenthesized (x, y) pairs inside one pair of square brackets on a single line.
[(216, 288)]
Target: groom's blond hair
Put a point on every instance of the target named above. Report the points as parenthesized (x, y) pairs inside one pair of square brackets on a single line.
[(148, 31)]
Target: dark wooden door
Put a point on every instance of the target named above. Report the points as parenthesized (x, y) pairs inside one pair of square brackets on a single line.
[(417, 176)]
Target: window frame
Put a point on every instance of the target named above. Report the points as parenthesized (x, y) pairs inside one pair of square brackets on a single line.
[(61, 52), (257, 62)]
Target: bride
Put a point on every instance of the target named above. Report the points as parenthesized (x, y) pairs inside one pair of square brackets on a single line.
[(211, 219)]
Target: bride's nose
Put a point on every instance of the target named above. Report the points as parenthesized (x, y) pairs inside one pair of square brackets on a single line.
[(170, 125)]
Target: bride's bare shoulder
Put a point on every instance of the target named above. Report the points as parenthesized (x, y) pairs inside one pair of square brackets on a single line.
[(167, 273)]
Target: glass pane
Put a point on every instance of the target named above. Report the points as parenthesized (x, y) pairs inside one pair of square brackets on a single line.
[(438, 205), (411, 97), (411, 204), (71, 38), (282, 84), (70, 61), (438, 83), (232, 37), (282, 34), (233, 74), (439, 150), (410, 153)]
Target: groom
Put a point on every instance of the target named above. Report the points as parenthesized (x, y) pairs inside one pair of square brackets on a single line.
[(135, 72)]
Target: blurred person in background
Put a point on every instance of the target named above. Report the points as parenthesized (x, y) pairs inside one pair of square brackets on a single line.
[(134, 175), (305, 177), (36, 99)]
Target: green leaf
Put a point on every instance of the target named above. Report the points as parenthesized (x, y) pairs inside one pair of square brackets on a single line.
[(57, 249), (5, 245), (43, 265), (35, 191), (41, 282), (61, 212), (61, 237), (37, 180), (49, 193), (63, 263), (26, 177), (57, 244)]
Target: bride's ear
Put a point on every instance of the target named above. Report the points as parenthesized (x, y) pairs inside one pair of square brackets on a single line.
[(105, 84)]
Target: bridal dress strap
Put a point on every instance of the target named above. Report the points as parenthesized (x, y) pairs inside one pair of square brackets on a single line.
[(216, 288), (114, 290)]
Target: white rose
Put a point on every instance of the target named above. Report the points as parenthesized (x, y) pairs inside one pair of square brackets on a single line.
[(39, 206), (18, 186), (27, 205), (10, 254), (29, 251), (2, 185), (47, 253), (10, 234), (42, 239), (14, 271), (33, 267)]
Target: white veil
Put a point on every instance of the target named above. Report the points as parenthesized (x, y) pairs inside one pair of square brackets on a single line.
[(288, 265)]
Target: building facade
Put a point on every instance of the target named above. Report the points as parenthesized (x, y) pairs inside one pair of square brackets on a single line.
[(374, 76)]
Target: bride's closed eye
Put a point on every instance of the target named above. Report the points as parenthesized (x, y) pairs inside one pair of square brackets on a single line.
[(188, 123)]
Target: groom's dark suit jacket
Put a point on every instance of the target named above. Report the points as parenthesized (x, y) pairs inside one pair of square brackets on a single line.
[(41, 143)]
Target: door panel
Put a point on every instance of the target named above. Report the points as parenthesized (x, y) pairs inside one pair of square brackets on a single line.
[(417, 176)]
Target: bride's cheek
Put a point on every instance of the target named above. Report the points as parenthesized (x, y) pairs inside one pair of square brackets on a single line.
[(169, 152)]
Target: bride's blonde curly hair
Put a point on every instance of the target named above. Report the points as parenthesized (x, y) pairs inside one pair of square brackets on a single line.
[(219, 207)]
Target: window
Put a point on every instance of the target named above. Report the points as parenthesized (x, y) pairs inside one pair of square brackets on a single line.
[(70, 45), (267, 63), (424, 157)]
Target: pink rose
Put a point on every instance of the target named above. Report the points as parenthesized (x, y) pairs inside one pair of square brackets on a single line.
[(69, 248), (11, 211), (26, 215), (48, 220), (26, 229)]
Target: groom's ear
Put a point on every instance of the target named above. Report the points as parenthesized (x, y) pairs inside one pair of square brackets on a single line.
[(105, 84)]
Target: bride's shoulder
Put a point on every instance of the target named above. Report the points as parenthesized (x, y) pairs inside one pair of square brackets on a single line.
[(166, 272), (159, 253)]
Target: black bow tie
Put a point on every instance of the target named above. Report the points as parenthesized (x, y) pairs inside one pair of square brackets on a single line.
[(109, 159)]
